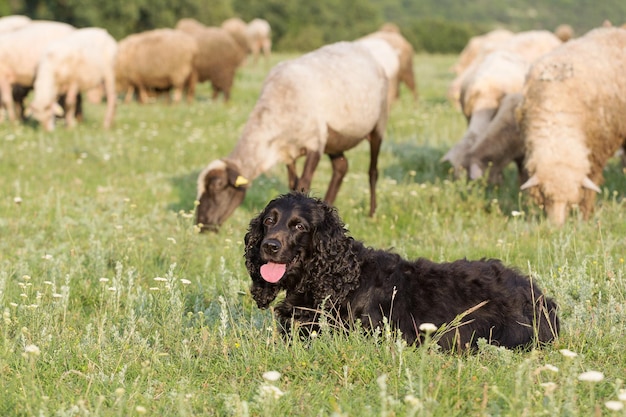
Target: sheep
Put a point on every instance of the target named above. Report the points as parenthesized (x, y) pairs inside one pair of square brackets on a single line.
[(500, 73), (238, 29), (572, 120), (159, 59), (260, 38), (326, 101), (498, 145), (78, 62), (12, 23), (487, 80), (530, 45), (19, 56), (406, 53), (218, 57), (479, 46)]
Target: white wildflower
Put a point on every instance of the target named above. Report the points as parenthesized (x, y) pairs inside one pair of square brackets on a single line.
[(271, 376), (591, 376), (17, 200), (32, 350), (622, 395), (614, 405), (568, 353), (270, 391), (428, 328), (185, 281)]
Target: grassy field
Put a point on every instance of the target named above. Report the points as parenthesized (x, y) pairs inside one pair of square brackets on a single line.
[(114, 305)]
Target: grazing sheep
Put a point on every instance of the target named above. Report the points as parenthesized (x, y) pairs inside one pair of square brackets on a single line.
[(498, 145), (406, 53), (572, 120), (14, 22), (479, 46), (78, 62), (326, 101), (19, 55), (20, 93), (489, 79), (529, 45), (260, 38), (157, 59), (238, 29), (218, 57), (500, 73)]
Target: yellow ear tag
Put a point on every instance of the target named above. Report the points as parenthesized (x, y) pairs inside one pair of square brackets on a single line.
[(240, 181)]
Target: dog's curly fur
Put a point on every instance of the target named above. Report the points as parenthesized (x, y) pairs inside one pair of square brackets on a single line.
[(329, 272)]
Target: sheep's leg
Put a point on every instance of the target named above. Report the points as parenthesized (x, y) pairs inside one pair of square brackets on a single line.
[(70, 105), (6, 91), (340, 167), (111, 96), (375, 141), (304, 183), (292, 175)]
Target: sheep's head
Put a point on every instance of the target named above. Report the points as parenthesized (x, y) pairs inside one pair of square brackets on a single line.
[(221, 189), (557, 197), (45, 114)]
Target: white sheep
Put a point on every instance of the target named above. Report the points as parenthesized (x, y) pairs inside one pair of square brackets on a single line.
[(572, 120), (326, 101), (80, 61), (500, 73), (19, 55), (14, 22), (489, 78), (260, 38)]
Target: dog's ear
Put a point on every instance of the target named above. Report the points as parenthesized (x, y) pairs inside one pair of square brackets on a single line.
[(333, 257), (262, 291)]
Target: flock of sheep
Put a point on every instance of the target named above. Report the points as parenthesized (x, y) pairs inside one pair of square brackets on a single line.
[(60, 61), (553, 104)]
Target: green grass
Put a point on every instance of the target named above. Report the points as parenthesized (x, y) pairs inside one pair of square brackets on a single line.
[(113, 304)]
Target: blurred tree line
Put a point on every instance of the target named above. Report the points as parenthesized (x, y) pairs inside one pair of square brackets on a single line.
[(436, 26)]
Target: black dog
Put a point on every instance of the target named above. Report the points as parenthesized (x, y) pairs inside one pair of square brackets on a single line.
[(299, 244)]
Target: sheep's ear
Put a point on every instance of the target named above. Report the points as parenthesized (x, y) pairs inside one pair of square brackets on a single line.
[(532, 182), (587, 183)]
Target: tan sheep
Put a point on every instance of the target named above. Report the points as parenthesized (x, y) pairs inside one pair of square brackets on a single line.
[(19, 55), (573, 120), (238, 29), (157, 59), (218, 57), (326, 101), (406, 52), (82, 60), (260, 39)]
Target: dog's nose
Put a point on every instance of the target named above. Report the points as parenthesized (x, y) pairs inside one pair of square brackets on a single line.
[(271, 246)]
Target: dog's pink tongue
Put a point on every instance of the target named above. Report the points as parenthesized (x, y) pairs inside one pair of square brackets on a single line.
[(272, 272)]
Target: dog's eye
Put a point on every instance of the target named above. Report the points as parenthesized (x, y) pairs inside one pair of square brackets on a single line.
[(268, 221), (299, 226)]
